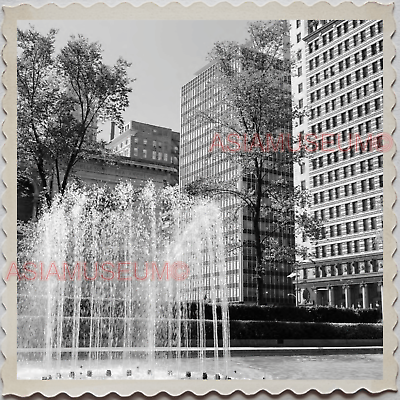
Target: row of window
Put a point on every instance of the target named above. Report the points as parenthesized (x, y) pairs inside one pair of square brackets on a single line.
[(341, 47), (154, 154), (366, 108), (337, 269), (350, 189), (364, 127), (359, 74), (354, 246), (336, 211), (347, 171), (361, 110), (348, 228), (347, 98), (363, 146), (346, 63), (343, 29), (322, 161)]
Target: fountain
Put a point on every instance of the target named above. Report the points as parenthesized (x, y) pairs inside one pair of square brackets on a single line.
[(123, 284)]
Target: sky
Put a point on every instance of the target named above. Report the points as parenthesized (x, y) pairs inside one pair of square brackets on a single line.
[(164, 55)]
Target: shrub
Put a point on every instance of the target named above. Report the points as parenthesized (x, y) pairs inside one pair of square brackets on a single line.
[(303, 330), (244, 312)]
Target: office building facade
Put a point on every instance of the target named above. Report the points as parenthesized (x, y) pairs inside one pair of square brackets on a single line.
[(196, 162), (339, 81)]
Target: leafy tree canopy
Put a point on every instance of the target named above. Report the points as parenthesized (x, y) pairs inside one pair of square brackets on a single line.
[(61, 97), (252, 115)]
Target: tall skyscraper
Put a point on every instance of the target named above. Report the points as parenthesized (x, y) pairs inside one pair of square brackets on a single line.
[(339, 81), (196, 162)]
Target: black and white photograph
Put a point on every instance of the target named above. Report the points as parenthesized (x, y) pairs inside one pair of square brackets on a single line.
[(202, 200)]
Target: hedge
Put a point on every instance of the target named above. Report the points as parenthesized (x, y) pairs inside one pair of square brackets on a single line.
[(269, 330), (243, 312), (303, 330)]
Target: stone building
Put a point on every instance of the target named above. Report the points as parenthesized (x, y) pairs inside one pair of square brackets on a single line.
[(339, 80), (144, 152)]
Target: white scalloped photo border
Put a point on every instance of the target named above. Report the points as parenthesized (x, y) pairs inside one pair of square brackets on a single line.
[(175, 11)]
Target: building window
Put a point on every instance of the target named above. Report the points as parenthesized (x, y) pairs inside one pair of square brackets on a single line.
[(135, 151), (154, 155), (349, 248), (298, 37), (300, 87), (370, 164), (364, 205), (299, 55), (363, 185), (144, 153)]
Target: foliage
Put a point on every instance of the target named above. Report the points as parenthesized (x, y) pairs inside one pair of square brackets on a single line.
[(60, 99), (303, 330), (253, 111), (245, 312), (304, 314)]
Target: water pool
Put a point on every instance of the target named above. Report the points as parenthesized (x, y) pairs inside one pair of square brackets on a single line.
[(271, 367)]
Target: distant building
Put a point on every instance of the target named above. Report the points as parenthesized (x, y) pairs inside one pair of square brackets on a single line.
[(339, 81), (144, 152), (147, 143)]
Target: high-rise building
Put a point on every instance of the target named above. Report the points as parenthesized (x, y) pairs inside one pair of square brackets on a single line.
[(196, 162), (339, 81)]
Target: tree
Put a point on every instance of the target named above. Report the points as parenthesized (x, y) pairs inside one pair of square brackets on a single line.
[(252, 119), (60, 99)]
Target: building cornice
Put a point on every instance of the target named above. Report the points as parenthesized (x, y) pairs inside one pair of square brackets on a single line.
[(320, 30), (133, 163)]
